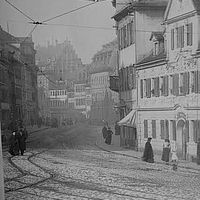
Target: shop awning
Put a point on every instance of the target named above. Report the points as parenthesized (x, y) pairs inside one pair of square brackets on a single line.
[(129, 120)]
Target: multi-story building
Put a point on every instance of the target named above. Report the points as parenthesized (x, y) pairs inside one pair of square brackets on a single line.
[(17, 55), (43, 96), (103, 99), (169, 105), (29, 77), (135, 20)]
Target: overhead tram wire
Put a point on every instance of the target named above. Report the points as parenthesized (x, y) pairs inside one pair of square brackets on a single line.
[(71, 11), (20, 11)]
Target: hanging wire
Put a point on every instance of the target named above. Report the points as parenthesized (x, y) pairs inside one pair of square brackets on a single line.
[(71, 11), (29, 34), (19, 10), (80, 26)]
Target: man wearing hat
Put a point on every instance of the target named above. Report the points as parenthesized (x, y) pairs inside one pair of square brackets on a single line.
[(148, 152)]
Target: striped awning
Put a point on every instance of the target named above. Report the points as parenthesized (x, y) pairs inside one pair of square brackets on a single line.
[(129, 120)]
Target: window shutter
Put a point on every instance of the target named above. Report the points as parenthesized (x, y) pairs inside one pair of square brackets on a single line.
[(189, 34), (182, 36), (198, 129), (162, 129), (141, 88), (121, 79), (130, 76), (134, 78), (187, 131), (196, 81), (154, 128), (172, 39), (118, 38), (145, 129)]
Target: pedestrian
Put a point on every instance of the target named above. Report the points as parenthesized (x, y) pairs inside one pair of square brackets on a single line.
[(108, 139), (14, 144), (198, 152), (104, 132), (22, 136), (174, 156), (166, 151), (117, 129), (148, 152)]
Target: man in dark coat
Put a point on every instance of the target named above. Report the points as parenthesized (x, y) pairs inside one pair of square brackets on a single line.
[(148, 152), (109, 136), (22, 136), (198, 152)]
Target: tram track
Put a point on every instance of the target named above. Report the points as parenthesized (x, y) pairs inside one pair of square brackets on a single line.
[(74, 182)]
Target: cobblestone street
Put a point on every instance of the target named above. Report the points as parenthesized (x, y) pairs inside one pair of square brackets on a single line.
[(88, 172)]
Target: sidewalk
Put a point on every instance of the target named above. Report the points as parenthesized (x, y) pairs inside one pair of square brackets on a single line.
[(115, 148)]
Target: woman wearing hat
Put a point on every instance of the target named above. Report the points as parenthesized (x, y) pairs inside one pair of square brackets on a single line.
[(148, 152)]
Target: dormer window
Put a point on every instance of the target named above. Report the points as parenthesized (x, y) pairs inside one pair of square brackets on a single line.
[(158, 42)]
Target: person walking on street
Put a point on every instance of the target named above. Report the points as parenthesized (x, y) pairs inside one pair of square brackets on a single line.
[(109, 136), (22, 136), (166, 151), (104, 132), (174, 156), (148, 152), (14, 144), (198, 152)]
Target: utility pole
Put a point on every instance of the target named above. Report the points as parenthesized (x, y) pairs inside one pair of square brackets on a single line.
[(1, 170)]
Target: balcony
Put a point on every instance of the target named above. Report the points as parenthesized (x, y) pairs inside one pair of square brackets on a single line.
[(114, 83)]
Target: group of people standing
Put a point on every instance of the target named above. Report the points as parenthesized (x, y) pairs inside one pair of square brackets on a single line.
[(107, 134), (167, 148), (17, 142)]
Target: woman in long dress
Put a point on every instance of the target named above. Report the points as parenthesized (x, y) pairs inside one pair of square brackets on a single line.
[(148, 152), (166, 151)]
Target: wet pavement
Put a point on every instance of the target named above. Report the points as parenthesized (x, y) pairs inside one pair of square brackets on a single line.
[(93, 171)]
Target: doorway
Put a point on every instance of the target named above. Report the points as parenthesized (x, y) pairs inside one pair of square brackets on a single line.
[(181, 139)]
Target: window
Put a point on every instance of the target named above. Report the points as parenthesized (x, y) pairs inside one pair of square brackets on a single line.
[(165, 85), (172, 39), (162, 85), (175, 83), (156, 87), (145, 87), (153, 128), (162, 129), (141, 88), (181, 84), (180, 37), (148, 88), (173, 125), (189, 34), (192, 81), (186, 82), (196, 130), (145, 128)]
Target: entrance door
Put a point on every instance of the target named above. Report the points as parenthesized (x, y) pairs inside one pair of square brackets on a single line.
[(181, 139)]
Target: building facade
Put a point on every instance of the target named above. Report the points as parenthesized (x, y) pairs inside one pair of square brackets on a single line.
[(135, 21), (103, 98), (169, 83)]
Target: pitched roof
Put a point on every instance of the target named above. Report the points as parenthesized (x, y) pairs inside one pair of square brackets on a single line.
[(139, 5), (196, 4)]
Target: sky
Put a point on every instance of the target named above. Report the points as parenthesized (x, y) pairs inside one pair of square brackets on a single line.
[(86, 41)]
